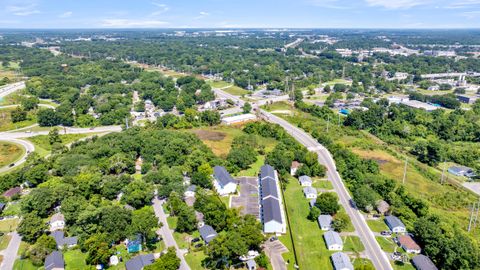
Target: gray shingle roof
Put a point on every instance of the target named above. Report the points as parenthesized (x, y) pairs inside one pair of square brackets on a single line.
[(140, 261), (393, 221), (422, 262), (324, 220), (192, 188), (305, 179), (341, 261), (269, 188), (207, 233), (267, 171), (54, 260), (332, 238), (309, 190), (222, 176), (271, 210), (61, 240)]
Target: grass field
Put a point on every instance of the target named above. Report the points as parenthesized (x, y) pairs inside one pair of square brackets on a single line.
[(323, 184), (336, 81), (25, 264), (377, 225), (218, 84), (237, 91), (194, 259), (43, 147), (4, 240), (10, 152), (8, 225), (386, 244), (11, 210), (7, 124), (11, 99), (352, 243), (75, 260)]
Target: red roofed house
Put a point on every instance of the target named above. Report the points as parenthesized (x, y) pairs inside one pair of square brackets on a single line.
[(12, 192), (294, 167), (408, 244)]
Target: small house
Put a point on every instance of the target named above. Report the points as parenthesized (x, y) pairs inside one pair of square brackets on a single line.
[(114, 260), (251, 265), (333, 240), (57, 222), (312, 202), (223, 182), (461, 171), (382, 207), (395, 224), (12, 192), (139, 262), (190, 191), (54, 261), (422, 262), (305, 181), (341, 261), (294, 167), (325, 222), (310, 192), (63, 241), (408, 244), (207, 233)]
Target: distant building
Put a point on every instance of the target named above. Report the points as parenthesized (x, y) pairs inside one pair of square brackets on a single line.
[(341, 261), (395, 224), (139, 262), (310, 192), (207, 233), (418, 105), (333, 240), (63, 241), (271, 204), (294, 167), (12, 192), (238, 119), (325, 222), (467, 99), (461, 171), (190, 191), (422, 262), (305, 181), (54, 261), (223, 182), (408, 244), (57, 222), (382, 207)]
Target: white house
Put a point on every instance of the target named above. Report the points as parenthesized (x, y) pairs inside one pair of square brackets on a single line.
[(341, 261), (395, 224), (325, 222), (57, 222), (223, 182), (294, 167), (333, 240), (190, 191), (305, 181), (310, 192)]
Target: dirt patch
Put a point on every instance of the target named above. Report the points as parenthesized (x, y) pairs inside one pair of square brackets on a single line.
[(210, 135), (9, 153)]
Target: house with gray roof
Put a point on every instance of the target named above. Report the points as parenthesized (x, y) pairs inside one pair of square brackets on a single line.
[(267, 171), (461, 171), (333, 240), (341, 261), (190, 191), (54, 261), (251, 265), (223, 182), (305, 181), (310, 192), (271, 205), (207, 233), (139, 262), (268, 188), (312, 202), (63, 241), (395, 224), (422, 262), (325, 222)]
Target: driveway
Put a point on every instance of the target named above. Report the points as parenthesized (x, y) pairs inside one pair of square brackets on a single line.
[(10, 253), (274, 251), (247, 200)]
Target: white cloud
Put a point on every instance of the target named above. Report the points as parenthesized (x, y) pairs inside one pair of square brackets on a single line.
[(23, 10), (65, 14), (463, 4), (334, 4), (126, 23), (397, 4), (202, 15), (161, 8), (471, 14)]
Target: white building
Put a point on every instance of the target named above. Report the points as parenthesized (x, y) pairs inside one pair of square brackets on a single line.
[(325, 222), (333, 240), (310, 192), (223, 182), (272, 211), (237, 119), (57, 222), (305, 181), (341, 261)]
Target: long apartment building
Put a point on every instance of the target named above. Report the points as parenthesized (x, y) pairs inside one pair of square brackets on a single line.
[(272, 210)]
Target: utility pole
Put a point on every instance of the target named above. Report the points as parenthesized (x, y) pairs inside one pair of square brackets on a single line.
[(471, 217), (126, 122), (443, 173), (476, 216), (405, 171), (328, 122)]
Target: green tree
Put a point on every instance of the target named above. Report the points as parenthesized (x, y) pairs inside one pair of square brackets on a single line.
[(143, 222), (247, 107), (168, 261), (327, 202), (18, 115), (202, 177), (340, 221), (31, 227), (98, 250), (53, 136), (42, 248), (138, 193), (30, 103), (47, 118), (314, 213), (365, 198)]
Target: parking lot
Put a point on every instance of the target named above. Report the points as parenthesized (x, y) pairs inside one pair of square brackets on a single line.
[(247, 201)]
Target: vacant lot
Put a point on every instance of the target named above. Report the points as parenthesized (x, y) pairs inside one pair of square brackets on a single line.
[(237, 91), (218, 84), (9, 153), (6, 120)]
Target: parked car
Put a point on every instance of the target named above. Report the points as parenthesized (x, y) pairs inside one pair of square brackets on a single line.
[(273, 238), (11, 165), (196, 239), (386, 233), (199, 245)]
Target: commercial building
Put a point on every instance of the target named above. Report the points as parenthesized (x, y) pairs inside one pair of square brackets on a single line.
[(238, 119)]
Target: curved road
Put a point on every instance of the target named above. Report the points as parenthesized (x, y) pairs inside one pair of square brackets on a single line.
[(29, 147)]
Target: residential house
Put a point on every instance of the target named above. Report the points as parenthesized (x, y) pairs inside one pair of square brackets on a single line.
[(408, 244), (312, 202), (467, 99), (207, 233), (333, 240), (54, 261), (461, 171), (305, 181), (422, 262), (271, 205), (63, 241), (395, 224), (294, 167), (341, 261), (190, 191), (57, 222), (114, 260), (251, 265), (223, 182), (2, 206), (12, 192), (325, 222), (139, 262), (310, 192), (382, 207)]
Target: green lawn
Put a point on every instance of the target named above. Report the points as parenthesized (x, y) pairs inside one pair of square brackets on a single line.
[(386, 244), (8, 225), (323, 184), (237, 91), (352, 243), (377, 225), (254, 168), (43, 147), (218, 84), (10, 152), (7, 124), (402, 266), (25, 264), (358, 262), (194, 260), (341, 81), (4, 240), (75, 260), (11, 210)]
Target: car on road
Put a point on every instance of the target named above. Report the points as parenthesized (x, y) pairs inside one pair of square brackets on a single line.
[(353, 204), (273, 238), (11, 165)]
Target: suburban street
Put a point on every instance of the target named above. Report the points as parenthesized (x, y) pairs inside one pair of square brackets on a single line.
[(167, 234), (10, 88), (29, 147), (372, 248), (10, 253)]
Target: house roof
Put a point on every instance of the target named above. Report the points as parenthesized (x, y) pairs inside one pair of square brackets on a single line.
[(271, 210), (207, 233), (324, 220), (191, 188), (269, 188), (422, 262), (61, 240), (305, 179), (295, 164), (222, 176), (54, 260), (251, 264), (11, 192), (267, 171), (309, 190), (393, 221), (140, 261), (408, 242), (57, 217), (312, 202), (332, 238), (2, 206), (382, 206), (341, 261)]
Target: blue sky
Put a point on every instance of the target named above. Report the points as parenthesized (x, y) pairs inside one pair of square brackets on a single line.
[(239, 13)]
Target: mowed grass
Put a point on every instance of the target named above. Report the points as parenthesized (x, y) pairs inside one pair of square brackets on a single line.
[(386, 244), (218, 84), (377, 225), (4, 240), (11, 99), (353, 244), (8, 225), (194, 259), (10, 152), (236, 91), (42, 144), (75, 260), (6, 120), (25, 264)]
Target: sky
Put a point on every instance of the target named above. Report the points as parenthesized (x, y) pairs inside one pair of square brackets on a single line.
[(239, 14)]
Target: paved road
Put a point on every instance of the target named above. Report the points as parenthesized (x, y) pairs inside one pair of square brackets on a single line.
[(10, 88), (372, 248), (29, 147), (39, 105), (167, 234), (10, 253)]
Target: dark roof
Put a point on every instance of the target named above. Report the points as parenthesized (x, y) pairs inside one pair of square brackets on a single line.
[(61, 240), (11, 192), (269, 188), (393, 221), (271, 210), (2, 206), (422, 262), (140, 261), (54, 260), (192, 188), (267, 171), (222, 176), (207, 233)]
